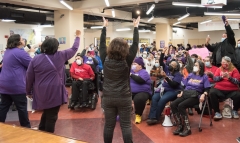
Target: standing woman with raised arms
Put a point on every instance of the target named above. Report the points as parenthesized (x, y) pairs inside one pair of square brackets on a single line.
[(117, 60)]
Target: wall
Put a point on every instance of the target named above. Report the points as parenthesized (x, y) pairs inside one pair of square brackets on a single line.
[(194, 34)]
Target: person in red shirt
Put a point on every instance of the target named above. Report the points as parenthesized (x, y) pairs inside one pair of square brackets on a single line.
[(226, 86), (209, 69), (83, 75)]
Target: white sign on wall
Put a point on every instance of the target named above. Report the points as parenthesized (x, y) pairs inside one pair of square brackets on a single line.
[(219, 25), (214, 2)]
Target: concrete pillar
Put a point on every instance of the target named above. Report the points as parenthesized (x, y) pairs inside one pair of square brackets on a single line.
[(163, 34)]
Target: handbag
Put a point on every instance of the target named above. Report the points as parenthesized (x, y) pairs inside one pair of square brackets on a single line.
[(61, 79), (190, 93)]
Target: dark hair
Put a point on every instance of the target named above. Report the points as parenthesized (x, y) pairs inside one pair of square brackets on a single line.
[(118, 49), (202, 67), (50, 46), (194, 55), (238, 40), (13, 41)]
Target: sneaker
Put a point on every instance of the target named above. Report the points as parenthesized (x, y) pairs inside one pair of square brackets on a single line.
[(138, 119), (217, 116), (235, 114), (152, 121)]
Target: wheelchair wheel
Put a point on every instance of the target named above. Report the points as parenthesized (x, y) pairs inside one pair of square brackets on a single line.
[(94, 101)]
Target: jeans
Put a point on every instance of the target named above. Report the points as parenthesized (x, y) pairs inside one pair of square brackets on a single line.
[(140, 100), (48, 119), (76, 86), (216, 94), (20, 101), (113, 107), (158, 103)]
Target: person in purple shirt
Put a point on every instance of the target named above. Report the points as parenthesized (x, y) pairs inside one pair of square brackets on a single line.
[(196, 85), (13, 80), (170, 87), (45, 80), (140, 83)]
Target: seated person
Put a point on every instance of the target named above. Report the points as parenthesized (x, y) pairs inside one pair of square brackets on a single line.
[(209, 69), (90, 59), (83, 75), (226, 86), (149, 62), (156, 69), (171, 85), (196, 85), (140, 83)]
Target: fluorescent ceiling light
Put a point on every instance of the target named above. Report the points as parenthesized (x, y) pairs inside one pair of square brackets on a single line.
[(46, 25), (113, 13), (233, 19), (65, 4), (206, 21), (151, 19), (144, 31), (184, 16), (8, 20), (107, 3), (176, 23), (193, 5), (217, 13), (123, 29), (150, 9), (96, 27)]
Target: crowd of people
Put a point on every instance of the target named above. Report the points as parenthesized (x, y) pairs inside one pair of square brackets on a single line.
[(38, 72)]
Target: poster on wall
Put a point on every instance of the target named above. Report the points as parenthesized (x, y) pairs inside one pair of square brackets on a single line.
[(97, 41), (43, 37), (28, 34), (62, 40), (214, 2), (144, 40), (162, 44)]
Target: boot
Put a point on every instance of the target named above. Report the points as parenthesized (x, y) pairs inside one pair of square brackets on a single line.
[(179, 124), (187, 128), (190, 111)]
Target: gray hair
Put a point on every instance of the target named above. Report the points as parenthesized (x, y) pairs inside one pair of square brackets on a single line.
[(226, 58)]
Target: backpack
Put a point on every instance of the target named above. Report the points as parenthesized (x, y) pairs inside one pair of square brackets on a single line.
[(227, 111)]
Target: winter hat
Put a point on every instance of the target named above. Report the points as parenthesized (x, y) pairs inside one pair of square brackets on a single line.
[(139, 61)]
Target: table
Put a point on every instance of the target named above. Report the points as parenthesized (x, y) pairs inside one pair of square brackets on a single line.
[(14, 134)]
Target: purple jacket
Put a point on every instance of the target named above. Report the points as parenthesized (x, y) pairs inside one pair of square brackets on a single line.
[(48, 89), (13, 75)]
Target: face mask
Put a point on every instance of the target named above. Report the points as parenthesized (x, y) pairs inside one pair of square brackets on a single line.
[(172, 55), (207, 64), (225, 66), (134, 67), (157, 65), (239, 45), (89, 58), (79, 62), (180, 64), (195, 69), (144, 56), (92, 46), (223, 39), (170, 68), (2, 55), (193, 59)]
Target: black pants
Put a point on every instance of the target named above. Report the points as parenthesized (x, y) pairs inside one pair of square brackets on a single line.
[(140, 100), (117, 106), (216, 94), (48, 119), (20, 101), (181, 104), (76, 86)]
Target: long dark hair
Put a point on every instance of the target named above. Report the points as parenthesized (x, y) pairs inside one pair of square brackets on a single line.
[(118, 49), (50, 46), (13, 41), (202, 67)]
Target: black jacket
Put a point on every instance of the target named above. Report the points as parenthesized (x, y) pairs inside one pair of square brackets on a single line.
[(237, 51), (225, 48), (117, 73)]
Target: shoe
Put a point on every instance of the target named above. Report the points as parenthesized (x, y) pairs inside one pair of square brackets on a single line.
[(190, 111), (14, 107), (217, 116), (235, 114), (83, 105), (77, 106), (152, 121), (187, 128), (179, 123), (72, 105), (138, 119)]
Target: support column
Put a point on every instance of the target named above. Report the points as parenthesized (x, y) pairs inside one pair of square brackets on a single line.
[(66, 24), (163, 34)]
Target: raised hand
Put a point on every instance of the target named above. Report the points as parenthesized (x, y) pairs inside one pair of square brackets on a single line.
[(78, 33), (105, 22), (208, 40), (226, 22), (136, 22)]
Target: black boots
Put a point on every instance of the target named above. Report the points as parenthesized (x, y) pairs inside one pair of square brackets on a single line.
[(190, 111), (187, 128), (179, 123)]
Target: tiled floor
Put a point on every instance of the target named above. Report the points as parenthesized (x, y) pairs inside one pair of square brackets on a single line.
[(88, 125)]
